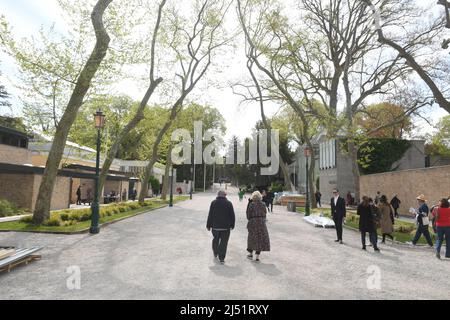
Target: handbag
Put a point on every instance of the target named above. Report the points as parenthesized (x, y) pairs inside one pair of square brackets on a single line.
[(425, 221)]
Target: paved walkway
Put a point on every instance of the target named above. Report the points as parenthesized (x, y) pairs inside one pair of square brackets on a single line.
[(166, 254)]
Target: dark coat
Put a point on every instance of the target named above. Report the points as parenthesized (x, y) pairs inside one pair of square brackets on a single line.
[(395, 202), (366, 219), (258, 235), (221, 214), (338, 211)]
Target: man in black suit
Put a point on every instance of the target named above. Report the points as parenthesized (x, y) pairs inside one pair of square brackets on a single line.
[(338, 213)]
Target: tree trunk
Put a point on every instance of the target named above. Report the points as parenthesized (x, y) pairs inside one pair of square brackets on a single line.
[(124, 133), (311, 182), (166, 182), (153, 159), (43, 202), (140, 112), (288, 185), (353, 153)]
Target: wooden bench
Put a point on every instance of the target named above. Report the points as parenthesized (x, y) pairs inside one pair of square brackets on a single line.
[(300, 201), (15, 257)]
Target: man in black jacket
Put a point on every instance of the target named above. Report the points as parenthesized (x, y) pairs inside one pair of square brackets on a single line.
[(221, 220), (338, 213)]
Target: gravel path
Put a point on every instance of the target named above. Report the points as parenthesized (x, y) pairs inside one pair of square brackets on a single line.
[(166, 254)]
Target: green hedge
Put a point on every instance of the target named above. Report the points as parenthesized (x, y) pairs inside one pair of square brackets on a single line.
[(8, 209), (72, 216)]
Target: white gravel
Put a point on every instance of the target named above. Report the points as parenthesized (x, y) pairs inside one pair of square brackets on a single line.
[(166, 254)]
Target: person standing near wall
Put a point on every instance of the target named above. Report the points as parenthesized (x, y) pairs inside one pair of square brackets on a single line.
[(387, 219), (395, 203), (367, 224), (79, 196)]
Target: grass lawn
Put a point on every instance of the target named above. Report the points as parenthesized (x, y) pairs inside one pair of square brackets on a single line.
[(83, 226), (352, 222)]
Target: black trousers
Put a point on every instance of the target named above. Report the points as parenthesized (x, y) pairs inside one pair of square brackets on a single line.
[(396, 212), (220, 243), (338, 223)]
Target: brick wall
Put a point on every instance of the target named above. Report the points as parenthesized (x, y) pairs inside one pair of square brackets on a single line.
[(434, 183), (17, 188), (60, 197), (14, 155), (22, 190)]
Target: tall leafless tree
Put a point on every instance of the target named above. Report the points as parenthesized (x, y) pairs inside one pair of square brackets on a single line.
[(407, 52), (195, 58), (139, 115)]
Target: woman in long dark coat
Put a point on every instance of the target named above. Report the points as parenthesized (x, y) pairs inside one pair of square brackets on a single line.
[(367, 223), (258, 236)]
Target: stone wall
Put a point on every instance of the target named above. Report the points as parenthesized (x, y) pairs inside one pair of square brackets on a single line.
[(61, 192), (14, 155), (17, 188), (22, 190), (433, 182)]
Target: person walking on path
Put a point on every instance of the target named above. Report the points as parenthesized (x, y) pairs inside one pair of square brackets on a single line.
[(258, 236), (395, 203), (367, 224), (422, 221), (387, 219), (338, 212), (269, 200), (442, 218), (241, 194), (79, 196), (318, 198), (221, 220)]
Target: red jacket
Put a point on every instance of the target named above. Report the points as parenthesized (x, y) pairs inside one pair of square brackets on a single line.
[(444, 217)]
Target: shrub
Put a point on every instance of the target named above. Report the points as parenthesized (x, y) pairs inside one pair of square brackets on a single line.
[(64, 216), (8, 209), (27, 219), (85, 216), (134, 206), (123, 209), (52, 222), (80, 215)]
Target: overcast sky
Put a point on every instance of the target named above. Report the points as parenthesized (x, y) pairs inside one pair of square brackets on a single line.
[(26, 17)]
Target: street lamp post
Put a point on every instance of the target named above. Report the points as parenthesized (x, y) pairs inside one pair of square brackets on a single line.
[(99, 118), (190, 189), (307, 152), (171, 190)]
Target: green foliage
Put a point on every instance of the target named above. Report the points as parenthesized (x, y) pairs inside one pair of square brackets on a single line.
[(154, 183), (52, 222), (276, 187), (379, 155), (8, 209), (440, 141)]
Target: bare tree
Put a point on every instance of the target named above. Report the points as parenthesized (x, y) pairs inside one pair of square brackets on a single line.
[(42, 208), (139, 115), (267, 50), (405, 51), (195, 57)]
